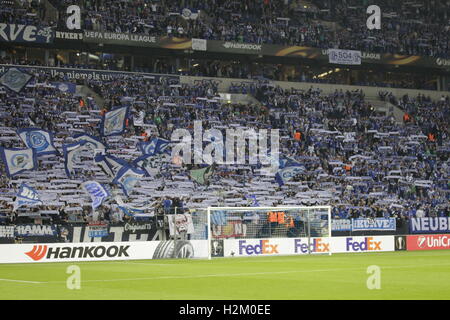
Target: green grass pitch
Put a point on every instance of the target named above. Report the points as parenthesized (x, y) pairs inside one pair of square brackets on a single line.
[(404, 275)]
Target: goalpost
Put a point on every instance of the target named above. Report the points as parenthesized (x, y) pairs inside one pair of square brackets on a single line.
[(253, 231)]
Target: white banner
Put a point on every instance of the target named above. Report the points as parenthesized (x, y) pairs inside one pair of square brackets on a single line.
[(68, 252), (338, 56), (199, 44), (296, 246), (274, 246), (362, 244)]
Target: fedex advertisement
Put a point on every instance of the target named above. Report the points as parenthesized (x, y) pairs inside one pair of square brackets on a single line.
[(274, 246), (428, 242), (363, 244)]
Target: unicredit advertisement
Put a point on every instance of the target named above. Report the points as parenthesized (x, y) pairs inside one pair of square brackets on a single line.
[(67, 252), (428, 242)]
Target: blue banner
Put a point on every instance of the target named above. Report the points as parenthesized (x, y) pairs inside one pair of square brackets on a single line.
[(26, 33), (36, 230), (341, 225), (429, 225), (376, 224)]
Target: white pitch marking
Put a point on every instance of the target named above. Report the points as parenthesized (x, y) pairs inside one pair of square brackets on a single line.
[(22, 281)]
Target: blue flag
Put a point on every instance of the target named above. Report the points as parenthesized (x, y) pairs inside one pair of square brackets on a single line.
[(38, 139), (26, 196), (154, 146), (129, 210), (18, 160), (15, 79), (111, 165), (97, 192), (113, 122), (72, 156), (67, 87), (91, 141), (286, 174), (127, 178), (255, 202)]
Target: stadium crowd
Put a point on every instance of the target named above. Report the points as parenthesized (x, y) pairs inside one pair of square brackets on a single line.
[(419, 29), (362, 163)]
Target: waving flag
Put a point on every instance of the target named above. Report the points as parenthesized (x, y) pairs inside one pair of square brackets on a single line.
[(252, 198), (92, 142), (97, 192), (72, 156), (149, 163), (65, 87), (15, 79), (190, 14), (286, 174), (38, 139), (26, 196), (113, 122), (129, 210), (127, 178), (18, 160), (111, 165), (155, 146), (201, 176)]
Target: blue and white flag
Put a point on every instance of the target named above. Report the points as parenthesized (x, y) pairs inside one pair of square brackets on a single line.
[(38, 139), (26, 196), (67, 87), (97, 191), (129, 210), (18, 160), (127, 178), (15, 79), (286, 174), (93, 143), (111, 165), (190, 14), (113, 122), (151, 164), (72, 156), (154, 146), (254, 201)]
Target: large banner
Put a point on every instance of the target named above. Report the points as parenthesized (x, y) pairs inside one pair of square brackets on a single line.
[(364, 224), (68, 252), (300, 246), (25, 33), (429, 225), (130, 231), (323, 55), (98, 75), (137, 40), (428, 242)]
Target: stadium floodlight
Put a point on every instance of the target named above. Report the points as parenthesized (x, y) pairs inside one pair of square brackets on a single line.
[(283, 230)]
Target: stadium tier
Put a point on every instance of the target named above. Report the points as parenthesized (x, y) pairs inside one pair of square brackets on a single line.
[(115, 112)]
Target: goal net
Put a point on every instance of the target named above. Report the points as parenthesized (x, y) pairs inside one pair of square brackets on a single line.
[(259, 231)]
